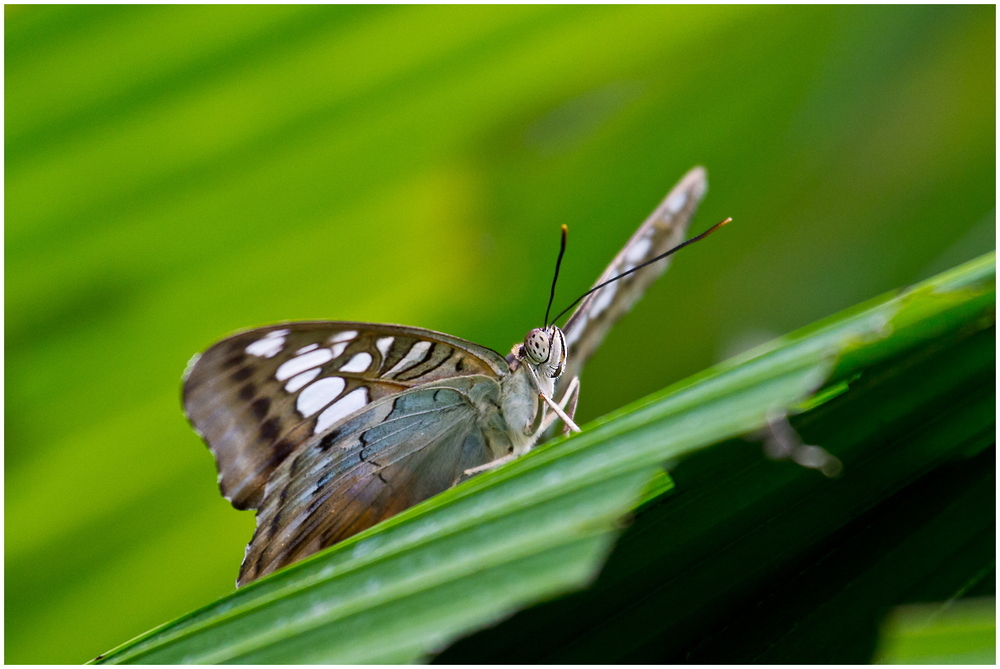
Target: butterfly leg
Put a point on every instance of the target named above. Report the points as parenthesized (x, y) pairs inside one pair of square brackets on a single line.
[(489, 465), (559, 412), (569, 399), (468, 473), (552, 405)]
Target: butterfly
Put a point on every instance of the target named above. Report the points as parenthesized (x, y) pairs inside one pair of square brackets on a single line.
[(326, 428)]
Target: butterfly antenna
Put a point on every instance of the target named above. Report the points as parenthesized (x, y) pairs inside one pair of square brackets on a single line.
[(639, 267), (555, 278)]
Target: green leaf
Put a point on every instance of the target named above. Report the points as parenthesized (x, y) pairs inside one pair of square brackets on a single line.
[(753, 561), (917, 368), (962, 632)]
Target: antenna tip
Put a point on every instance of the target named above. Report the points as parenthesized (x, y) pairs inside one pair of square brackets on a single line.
[(728, 220), (565, 228)]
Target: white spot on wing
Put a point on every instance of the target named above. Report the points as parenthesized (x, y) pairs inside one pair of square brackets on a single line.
[(603, 299), (269, 345), (266, 348), (359, 363), (306, 349), (415, 353), (338, 348), (638, 251), (383, 344), (302, 379), (578, 328), (303, 362), (676, 202), (346, 335), (347, 404), (318, 395), (194, 360)]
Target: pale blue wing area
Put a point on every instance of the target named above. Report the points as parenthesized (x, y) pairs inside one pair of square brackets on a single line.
[(391, 455)]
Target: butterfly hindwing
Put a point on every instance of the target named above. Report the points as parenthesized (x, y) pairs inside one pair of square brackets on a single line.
[(662, 230), (258, 395), (397, 452)]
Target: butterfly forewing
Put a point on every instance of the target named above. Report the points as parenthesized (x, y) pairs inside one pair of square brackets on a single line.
[(661, 231), (257, 395)]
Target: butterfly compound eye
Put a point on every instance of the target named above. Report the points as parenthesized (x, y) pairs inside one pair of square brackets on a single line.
[(536, 346)]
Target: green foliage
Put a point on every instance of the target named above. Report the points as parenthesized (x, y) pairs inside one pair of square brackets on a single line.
[(174, 173), (916, 414), (953, 632)]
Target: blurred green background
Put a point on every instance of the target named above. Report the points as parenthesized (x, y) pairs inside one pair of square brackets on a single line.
[(176, 173)]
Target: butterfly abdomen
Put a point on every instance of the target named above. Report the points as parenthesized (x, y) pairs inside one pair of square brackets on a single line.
[(520, 410)]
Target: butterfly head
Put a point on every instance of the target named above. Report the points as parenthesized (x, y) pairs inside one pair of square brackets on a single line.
[(545, 349)]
